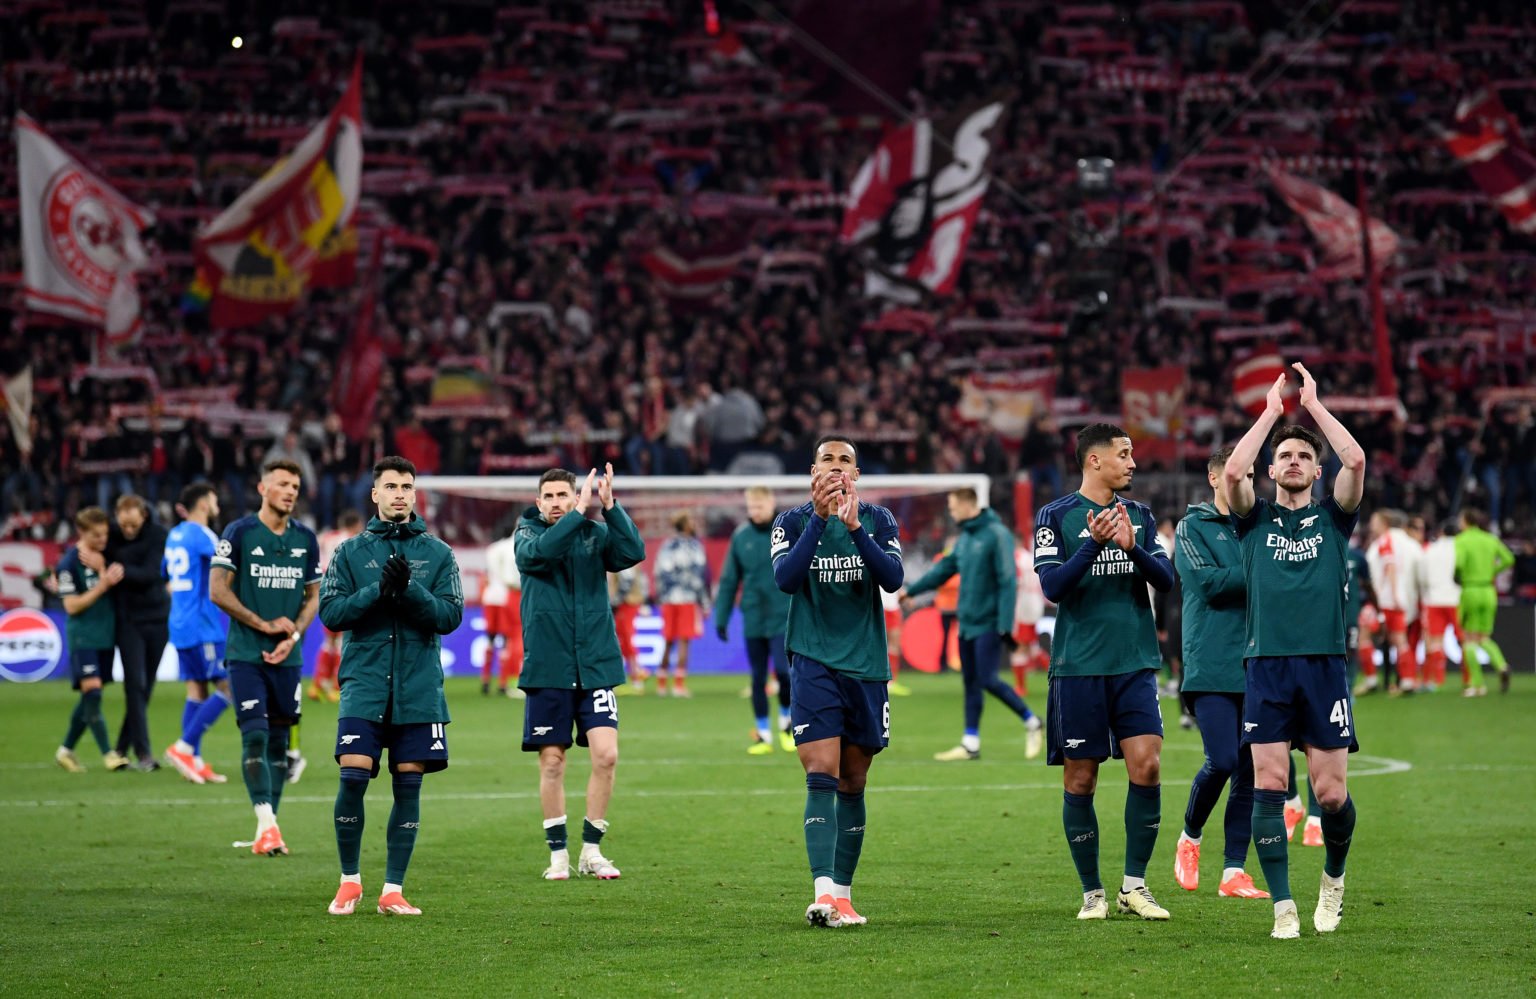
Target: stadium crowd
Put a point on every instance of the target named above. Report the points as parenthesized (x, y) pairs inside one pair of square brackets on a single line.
[(529, 166)]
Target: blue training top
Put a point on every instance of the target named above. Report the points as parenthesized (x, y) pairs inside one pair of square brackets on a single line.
[(194, 618)]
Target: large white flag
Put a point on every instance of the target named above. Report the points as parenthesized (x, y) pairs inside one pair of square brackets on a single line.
[(79, 237)]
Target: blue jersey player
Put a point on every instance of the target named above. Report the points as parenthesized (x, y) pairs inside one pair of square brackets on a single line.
[(1296, 563), (833, 555), (1095, 554), (197, 630)]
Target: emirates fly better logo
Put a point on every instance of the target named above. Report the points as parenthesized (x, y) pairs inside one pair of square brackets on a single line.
[(30, 645)]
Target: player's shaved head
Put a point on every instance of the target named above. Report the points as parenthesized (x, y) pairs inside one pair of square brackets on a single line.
[(826, 439)]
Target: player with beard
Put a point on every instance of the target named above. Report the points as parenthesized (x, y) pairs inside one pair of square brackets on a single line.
[(1295, 562), (1095, 554), (267, 580), (394, 589)]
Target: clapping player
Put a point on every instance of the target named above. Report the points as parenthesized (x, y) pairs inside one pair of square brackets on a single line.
[(395, 589), (571, 661), (1295, 554), (832, 556), (1095, 554)]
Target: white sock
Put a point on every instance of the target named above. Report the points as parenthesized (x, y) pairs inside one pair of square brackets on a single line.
[(824, 886), (971, 743), (265, 818), (1130, 884), (551, 823), (783, 721), (1285, 905), (1332, 882), (182, 746), (352, 879), (1314, 820), (1228, 873), (1187, 838), (389, 887), (1294, 803), (294, 754), (1089, 896), (1033, 723), (841, 891), (764, 735)]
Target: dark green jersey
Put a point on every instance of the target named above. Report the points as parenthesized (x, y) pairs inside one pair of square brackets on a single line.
[(95, 627), (1296, 566), (835, 615), (1104, 625), (271, 572)]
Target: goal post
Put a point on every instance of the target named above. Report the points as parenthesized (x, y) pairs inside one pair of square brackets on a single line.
[(471, 511)]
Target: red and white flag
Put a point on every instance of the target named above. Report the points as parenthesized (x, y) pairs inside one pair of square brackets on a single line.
[(1008, 400), (292, 229), (913, 204), (1336, 225), (694, 273), (1485, 139), (1252, 379), (80, 238)]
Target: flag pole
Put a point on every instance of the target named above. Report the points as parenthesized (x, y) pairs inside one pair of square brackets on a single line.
[(1386, 378)]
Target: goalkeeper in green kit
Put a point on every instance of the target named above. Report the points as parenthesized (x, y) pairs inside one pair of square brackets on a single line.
[(1479, 558)]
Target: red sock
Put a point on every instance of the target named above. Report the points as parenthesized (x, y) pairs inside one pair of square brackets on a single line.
[(1434, 667), (1020, 684), (490, 657), (1407, 665), (327, 664)]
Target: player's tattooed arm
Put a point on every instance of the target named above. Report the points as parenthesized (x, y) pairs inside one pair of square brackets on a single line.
[(1239, 486), (1349, 484), (224, 599)]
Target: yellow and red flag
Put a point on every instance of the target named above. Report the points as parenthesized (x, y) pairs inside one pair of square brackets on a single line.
[(293, 229)]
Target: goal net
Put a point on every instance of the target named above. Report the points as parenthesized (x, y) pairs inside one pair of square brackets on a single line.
[(474, 510), (469, 512)]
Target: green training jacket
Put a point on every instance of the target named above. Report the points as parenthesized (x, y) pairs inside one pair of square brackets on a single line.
[(392, 661), (1209, 561), (568, 634), (749, 567), (983, 556)]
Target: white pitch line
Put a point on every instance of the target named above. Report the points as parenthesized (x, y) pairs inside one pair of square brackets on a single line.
[(1383, 766)]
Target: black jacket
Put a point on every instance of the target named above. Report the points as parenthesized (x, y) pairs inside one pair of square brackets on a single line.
[(141, 597)]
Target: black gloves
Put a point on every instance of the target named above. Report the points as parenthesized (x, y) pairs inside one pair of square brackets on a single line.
[(1008, 642), (720, 630), (394, 576)]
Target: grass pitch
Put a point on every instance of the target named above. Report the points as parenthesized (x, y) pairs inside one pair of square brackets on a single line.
[(127, 884)]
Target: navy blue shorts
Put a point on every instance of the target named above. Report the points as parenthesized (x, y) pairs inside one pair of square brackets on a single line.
[(1089, 716), (550, 712), (265, 694), (425, 743), (203, 663), (1301, 700), (826, 704), (89, 664)]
